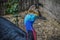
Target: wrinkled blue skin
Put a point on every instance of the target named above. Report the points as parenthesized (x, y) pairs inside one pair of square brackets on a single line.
[(29, 20)]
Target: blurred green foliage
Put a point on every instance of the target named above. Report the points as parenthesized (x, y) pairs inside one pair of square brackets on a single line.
[(12, 7)]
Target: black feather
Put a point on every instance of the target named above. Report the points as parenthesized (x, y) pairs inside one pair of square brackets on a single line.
[(9, 31)]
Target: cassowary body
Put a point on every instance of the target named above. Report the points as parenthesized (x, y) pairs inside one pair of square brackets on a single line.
[(8, 31)]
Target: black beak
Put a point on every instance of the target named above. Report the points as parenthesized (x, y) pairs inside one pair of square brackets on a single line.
[(43, 18), (40, 16)]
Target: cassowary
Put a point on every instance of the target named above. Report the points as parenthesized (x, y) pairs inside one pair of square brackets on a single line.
[(9, 31), (29, 20)]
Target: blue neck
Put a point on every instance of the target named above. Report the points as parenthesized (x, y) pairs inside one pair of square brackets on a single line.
[(29, 26), (29, 20)]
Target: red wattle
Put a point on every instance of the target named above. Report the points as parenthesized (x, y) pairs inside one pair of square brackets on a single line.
[(35, 35)]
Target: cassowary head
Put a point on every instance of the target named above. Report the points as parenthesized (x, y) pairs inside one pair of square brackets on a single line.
[(37, 9)]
